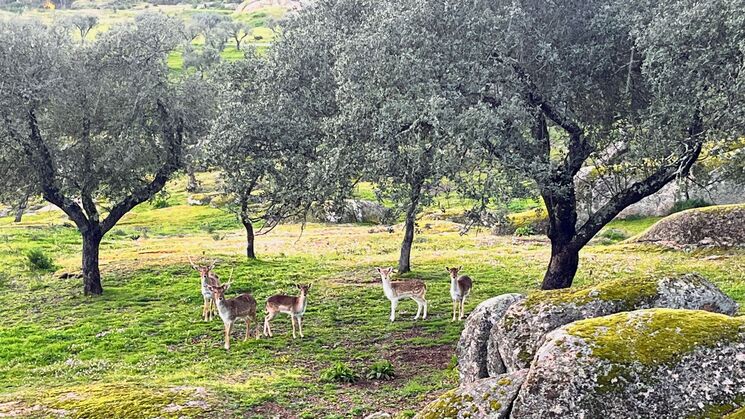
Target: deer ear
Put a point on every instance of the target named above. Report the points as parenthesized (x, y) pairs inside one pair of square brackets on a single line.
[(460, 268), (447, 269), (310, 285)]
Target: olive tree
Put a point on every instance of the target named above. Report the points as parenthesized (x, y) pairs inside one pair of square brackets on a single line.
[(98, 128), (396, 99), (269, 141), (610, 93)]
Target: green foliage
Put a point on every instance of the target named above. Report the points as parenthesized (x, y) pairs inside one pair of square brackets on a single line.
[(612, 235), (689, 204), (339, 373), (160, 200), (524, 231), (39, 260), (381, 370)]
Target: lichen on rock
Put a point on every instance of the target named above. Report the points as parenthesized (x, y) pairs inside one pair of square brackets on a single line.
[(484, 398), (660, 363), (521, 330), (475, 360)]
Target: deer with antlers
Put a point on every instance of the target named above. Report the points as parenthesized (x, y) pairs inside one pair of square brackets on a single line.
[(208, 278), (460, 287), (294, 306), (234, 309), (397, 290)]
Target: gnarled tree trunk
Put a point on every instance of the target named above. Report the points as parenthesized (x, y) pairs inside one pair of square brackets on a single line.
[(21, 208), (91, 273)]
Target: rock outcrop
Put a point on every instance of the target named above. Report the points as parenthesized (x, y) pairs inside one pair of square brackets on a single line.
[(659, 363), (472, 351), (720, 226), (665, 348), (485, 398), (521, 331)]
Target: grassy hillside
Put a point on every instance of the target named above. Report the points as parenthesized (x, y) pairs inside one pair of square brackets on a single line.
[(142, 350)]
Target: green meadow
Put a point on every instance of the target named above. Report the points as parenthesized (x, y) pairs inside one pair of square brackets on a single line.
[(142, 349)]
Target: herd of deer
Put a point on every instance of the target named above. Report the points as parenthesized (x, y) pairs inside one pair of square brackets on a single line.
[(243, 307)]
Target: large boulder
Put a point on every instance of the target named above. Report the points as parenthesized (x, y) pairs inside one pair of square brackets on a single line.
[(485, 398), (522, 329), (722, 226), (474, 361), (659, 363)]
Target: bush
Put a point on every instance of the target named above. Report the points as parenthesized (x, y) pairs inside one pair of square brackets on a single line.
[(688, 204), (39, 260), (614, 234), (160, 200), (524, 231), (339, 373), (381, 370)]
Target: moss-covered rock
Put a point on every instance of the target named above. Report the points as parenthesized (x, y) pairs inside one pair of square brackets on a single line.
[(485, 398), (721, 226), (521, 331), (660, 363), (109, 400), (475, 359)]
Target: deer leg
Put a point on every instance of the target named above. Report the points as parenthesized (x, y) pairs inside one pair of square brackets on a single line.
[(228, 326), (267, 326), (300, 326), (204, 310), (425, 308), (248, 328), (455, 305), (394, 303), (418, 308), (462, 307), (292, 319)]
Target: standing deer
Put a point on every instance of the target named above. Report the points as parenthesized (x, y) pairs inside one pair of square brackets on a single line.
[(460, 287), (397, 290), (233, 309), (294, 306), (208, 278)]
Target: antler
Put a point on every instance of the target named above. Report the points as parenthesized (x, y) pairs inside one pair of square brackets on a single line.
[(191, 262), (214, 262)]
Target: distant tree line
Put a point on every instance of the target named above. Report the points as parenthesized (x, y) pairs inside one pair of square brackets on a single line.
[(486, 96)]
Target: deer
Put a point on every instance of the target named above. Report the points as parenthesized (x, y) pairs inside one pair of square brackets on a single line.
[(208, 278), (397, 290), (233, 309), (460, 287), (294, 306)]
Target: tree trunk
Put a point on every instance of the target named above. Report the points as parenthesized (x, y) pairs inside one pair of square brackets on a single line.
[(562, 267), (21, 208), (250, 238), (91, 273), (562, 217), (404, 260)]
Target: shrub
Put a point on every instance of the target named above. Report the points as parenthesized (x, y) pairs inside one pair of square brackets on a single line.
[(524, 231), (339, 373), (614, 234), (39, 260), (160, 200), (688, 204), (381, 370)]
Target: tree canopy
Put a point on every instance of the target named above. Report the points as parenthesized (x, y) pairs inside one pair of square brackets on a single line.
[(98, 128)]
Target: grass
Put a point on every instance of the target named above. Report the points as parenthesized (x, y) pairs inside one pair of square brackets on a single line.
[(142, 349)]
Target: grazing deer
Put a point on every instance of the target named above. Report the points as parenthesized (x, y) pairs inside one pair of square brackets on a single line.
[(294, 306), (397, 290), (208, 278), (460, 287), (232, 309)]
